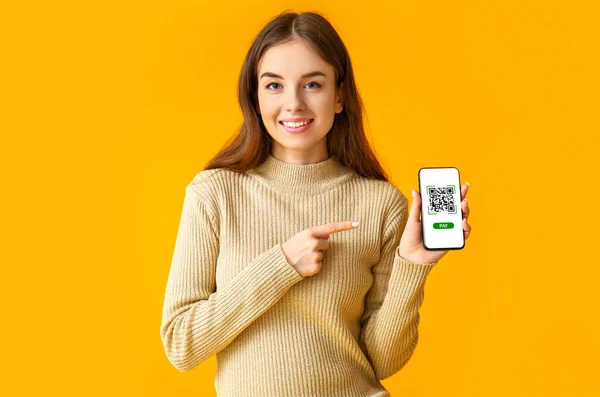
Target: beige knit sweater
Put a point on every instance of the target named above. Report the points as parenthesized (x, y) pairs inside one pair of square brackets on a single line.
[(231, 291)]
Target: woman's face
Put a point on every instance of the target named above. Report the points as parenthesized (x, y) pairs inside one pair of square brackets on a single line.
[(284, 92)]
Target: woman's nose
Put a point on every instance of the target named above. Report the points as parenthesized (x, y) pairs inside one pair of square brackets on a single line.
[(294, 100)]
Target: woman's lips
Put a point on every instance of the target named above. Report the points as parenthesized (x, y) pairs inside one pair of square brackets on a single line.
[(299, 129)]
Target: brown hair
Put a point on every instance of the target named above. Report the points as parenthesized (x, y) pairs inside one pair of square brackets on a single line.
[(346, 139)]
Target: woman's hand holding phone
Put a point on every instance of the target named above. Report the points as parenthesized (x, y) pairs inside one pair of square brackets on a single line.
[(411, 242)]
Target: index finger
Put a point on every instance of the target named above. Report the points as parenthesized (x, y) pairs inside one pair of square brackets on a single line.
[(324, 231), (464, 189)]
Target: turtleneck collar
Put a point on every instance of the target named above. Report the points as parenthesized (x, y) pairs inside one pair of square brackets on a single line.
[(303, 179)]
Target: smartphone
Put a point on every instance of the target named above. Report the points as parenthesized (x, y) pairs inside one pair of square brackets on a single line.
[(441, 212)]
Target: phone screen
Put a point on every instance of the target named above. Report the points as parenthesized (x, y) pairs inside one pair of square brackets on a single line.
[(441, 212)]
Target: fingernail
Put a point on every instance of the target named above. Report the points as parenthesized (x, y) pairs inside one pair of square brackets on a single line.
[(413, 192), (355, 223), (468, 183)]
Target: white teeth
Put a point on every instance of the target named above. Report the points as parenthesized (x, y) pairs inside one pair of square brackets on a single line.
[(295, 125)]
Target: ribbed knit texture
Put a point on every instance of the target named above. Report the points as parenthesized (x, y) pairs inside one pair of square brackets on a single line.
[(231, 291)]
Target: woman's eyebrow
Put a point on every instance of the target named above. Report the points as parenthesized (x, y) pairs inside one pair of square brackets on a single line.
[(276, 76)]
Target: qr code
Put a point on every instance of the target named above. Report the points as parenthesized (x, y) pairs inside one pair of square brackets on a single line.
[(441, 199)]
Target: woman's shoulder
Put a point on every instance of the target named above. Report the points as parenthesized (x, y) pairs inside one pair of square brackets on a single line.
[(216, 184), (386, 189), (210, 184), (207, 177), (211, 188)]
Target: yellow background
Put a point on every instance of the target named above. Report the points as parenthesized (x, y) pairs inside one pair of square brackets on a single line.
[(110, 108)]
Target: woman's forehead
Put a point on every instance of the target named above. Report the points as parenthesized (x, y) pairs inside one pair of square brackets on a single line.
[(292, 60)]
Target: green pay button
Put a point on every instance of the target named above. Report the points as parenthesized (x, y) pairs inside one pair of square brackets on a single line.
[(443, 225)]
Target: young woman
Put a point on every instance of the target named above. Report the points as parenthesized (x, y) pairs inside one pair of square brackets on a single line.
[(270, 272)]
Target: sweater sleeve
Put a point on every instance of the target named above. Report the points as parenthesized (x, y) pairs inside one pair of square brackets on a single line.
[(389, 325), (197, 320)]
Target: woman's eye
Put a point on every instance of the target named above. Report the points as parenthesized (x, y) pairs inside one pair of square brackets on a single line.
[(267, 87), (312, 82)]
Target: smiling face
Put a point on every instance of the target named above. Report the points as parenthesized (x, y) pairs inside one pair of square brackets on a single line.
[(288, 89)]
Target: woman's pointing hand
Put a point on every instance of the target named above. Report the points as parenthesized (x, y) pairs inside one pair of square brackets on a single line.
[(304, 251)]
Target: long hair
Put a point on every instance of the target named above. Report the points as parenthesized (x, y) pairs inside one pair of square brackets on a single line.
[(346, 139)]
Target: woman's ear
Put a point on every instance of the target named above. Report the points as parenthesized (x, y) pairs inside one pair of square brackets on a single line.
[(339, 99)]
